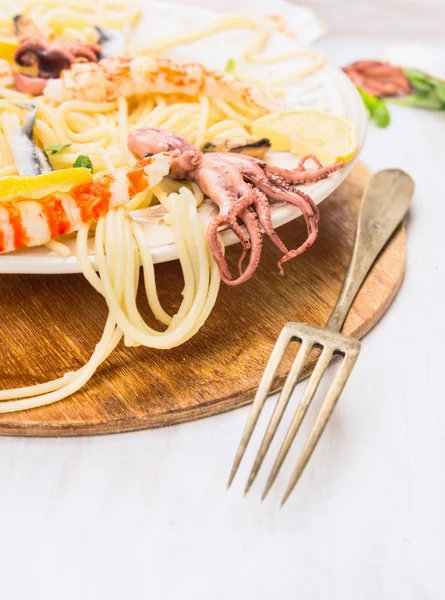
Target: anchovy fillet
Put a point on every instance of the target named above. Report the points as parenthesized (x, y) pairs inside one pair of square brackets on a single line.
[(111, 42), (30, 160)]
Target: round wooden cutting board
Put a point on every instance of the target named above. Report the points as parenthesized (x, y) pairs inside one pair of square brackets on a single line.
[(50, 325)]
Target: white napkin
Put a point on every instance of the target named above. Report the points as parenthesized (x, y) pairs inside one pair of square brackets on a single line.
[(418, 56)]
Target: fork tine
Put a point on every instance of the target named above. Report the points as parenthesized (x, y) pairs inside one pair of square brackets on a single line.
[(326, 410), (263, 390), (309, 392), (289, 384)]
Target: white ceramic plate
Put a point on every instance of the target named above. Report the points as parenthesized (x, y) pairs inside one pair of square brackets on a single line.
[(328, 89)]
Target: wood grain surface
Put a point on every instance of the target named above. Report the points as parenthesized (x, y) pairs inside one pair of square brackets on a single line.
[(50, 325)]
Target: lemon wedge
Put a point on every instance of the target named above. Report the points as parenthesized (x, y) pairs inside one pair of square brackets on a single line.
[(8, 46), (41, 185), (301, 132)]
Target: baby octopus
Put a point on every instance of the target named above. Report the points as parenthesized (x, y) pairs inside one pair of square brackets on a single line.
[(242, 187), (48, 55)]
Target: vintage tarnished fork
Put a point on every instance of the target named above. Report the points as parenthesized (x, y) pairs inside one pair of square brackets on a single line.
[(383, 207)]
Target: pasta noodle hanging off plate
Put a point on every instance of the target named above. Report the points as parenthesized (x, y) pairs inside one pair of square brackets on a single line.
[(122, 253)]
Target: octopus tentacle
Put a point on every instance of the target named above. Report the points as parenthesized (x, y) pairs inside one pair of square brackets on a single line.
[(304, 202), (235, 212), (242, 187), (262, 209), (311, 215), (88, 51), (215, 248), (239, 209), (28, 51), (245, 243), (29, 85), (234, 196), (250, 220), (303, 161), (300, 175)]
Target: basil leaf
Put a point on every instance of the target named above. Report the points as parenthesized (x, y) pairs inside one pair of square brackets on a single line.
[(380, 115), (429, 92), (420, 85), (230, 66), (83, 161), (420, 79), (58, 148), (378, 111), (418, 100), (440, 91), (369, 101)]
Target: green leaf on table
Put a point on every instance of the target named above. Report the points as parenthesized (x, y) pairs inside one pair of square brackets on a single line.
[(419, 80), (428, 92), (418, 100), (378, 111), (440, 91), (55, 149), (83, 161), (380, 115), (230, 65)]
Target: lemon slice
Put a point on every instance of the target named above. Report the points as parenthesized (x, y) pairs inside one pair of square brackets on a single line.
[(41, 185), (301, 132), (8, 46)]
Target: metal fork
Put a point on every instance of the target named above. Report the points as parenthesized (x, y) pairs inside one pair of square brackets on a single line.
[(383, 207)]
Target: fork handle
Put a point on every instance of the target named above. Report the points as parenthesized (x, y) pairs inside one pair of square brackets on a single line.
[(383, 207)]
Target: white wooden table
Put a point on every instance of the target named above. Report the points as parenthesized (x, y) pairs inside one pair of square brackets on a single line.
[(146, 515)]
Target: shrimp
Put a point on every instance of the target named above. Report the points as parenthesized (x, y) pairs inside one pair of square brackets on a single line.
[(122, 76), (26, 222)]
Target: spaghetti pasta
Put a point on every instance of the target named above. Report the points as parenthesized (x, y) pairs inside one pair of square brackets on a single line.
[(76, 18), (100, 131), (117, 280)]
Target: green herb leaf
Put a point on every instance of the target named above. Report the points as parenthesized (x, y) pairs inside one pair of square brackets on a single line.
[(83, 161), (430, 100), (54, 149), (428, 92), (440, 91), (378, 111), (420, 85), (230, 66), (380, 115), (369, 101), (419, 80)]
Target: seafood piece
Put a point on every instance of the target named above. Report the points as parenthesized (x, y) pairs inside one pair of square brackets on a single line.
[(379, 78), (124, 76), (48, 56), (51, 57), (111, 41), (30, 160), (300, 175), (28, 222), (25, 27), (250, 145), (161, 140), (243, 187), (29, 84)]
